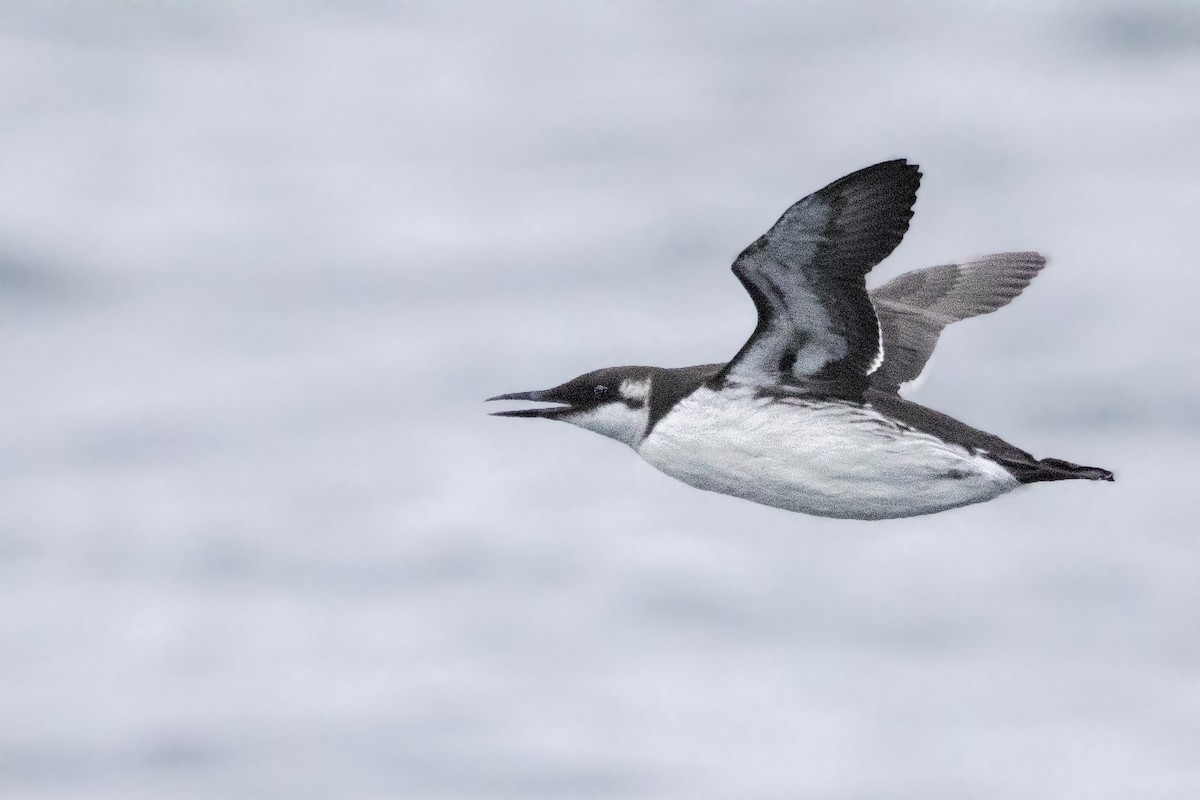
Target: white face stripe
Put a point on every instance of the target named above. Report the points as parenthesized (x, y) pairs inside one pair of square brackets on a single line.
[(635, 389)]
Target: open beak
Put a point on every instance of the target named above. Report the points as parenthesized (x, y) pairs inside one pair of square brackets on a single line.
[(548, 412)]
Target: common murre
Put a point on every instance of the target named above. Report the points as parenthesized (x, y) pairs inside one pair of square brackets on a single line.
[(807, 416)]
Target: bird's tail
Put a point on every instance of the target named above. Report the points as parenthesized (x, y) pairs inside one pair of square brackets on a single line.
[(1055, 469)]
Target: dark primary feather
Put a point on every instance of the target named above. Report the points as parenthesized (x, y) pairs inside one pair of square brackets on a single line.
[(913, 308), (816, 327)]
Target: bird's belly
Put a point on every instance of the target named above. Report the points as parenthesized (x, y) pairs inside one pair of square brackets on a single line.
[(831, 459)]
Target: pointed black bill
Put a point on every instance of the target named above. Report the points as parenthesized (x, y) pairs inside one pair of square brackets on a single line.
[(538, 397)]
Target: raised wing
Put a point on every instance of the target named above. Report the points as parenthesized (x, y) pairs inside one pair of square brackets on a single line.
[(816, 327), (913, 308)]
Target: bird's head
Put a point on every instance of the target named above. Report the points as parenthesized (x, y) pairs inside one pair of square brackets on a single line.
[(614, 402)]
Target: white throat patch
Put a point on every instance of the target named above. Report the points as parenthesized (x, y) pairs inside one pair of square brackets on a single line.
[(615, 420), (623, 418)]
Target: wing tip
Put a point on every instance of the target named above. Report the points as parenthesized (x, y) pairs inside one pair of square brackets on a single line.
[(1023, 264), (897, 166)]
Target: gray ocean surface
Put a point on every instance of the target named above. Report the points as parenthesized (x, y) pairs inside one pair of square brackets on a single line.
[(260, 262)]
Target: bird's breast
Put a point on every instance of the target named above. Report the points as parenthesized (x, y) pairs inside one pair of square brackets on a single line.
[(826, 457)]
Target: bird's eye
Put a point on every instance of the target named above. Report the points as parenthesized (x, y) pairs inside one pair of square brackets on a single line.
[(600, 391)]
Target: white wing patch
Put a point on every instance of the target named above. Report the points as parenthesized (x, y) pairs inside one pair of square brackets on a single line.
[(879, 356)]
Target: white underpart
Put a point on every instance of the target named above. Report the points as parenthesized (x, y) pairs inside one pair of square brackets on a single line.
[(831, 459)]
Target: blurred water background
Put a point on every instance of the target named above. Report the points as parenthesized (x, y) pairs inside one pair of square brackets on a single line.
[(261, 261)]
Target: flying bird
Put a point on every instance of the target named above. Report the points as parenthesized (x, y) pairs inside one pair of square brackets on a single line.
[(807, 416)]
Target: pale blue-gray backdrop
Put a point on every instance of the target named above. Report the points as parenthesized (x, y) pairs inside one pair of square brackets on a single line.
[(261, 261)]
